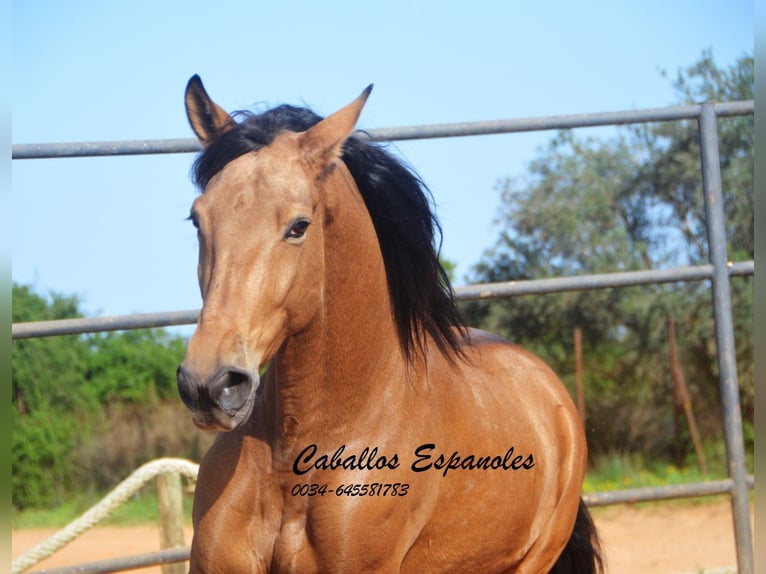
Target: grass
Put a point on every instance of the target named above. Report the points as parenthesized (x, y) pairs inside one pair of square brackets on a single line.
[(621, 471)]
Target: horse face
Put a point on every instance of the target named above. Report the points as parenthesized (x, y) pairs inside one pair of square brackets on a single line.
[(260, 225), (259, 270)]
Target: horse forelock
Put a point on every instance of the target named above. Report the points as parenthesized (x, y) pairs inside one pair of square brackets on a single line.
[(249, 133), (400, 206)]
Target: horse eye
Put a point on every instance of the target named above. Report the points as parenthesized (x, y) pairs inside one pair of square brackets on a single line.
[(297, 229)]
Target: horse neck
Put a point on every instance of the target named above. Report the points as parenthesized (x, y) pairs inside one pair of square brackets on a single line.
[(325, 375)]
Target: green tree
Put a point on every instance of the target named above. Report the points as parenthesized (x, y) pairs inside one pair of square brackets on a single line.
[(133, 367), (671, 173), (88, 409), (47, 374), (632, 202)]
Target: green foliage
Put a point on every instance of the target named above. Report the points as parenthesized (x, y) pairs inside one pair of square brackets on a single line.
[(41, 444), (44, 424), (132, 367), (449, 268), (632, 202), (88, 409), (618, 471)]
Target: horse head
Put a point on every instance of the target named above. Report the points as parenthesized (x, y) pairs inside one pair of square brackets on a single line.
[(260, 222)]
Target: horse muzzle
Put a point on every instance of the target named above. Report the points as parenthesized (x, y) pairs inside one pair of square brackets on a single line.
[(223, 402)]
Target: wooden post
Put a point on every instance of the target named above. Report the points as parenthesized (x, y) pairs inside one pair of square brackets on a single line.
[(578, 373), (683, 392), (678, 410), (170, 506)]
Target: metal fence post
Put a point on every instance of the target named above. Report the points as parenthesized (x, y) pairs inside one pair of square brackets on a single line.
[(724, 331)]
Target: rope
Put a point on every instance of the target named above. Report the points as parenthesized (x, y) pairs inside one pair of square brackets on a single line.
[(104, 508)]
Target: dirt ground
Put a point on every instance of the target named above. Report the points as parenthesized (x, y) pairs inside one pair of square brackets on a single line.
[(661, 538)]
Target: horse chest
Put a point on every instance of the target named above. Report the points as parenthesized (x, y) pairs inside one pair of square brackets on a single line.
[(293, 551), (333, 534)]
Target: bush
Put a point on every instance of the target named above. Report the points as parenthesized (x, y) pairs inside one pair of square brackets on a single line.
[(87, 410)]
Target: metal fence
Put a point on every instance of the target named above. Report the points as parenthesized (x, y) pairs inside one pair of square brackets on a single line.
[(717, 271)]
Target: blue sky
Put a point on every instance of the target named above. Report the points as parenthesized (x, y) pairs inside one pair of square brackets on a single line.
[(112, 230)]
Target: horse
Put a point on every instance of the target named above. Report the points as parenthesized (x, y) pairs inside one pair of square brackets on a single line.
[(363, 427)]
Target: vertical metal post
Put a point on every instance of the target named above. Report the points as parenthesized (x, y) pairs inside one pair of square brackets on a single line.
[(724, 331)]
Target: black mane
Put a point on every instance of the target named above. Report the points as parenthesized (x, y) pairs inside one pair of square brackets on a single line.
[(399, 204)]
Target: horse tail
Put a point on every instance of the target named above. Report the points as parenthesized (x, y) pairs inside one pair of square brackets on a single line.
[(582, 554)]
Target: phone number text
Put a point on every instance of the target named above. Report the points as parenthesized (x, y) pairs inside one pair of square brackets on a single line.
[(373, 489)]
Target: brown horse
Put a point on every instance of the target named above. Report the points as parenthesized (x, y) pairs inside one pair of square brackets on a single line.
[(384, 436)]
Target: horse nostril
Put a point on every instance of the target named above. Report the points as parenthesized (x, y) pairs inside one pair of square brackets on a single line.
[(186, 388), (230, 390)]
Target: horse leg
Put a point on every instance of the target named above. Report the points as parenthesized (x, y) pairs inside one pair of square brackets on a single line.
[(582, 554)]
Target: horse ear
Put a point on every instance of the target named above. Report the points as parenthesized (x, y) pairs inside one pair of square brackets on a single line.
[(324, 142), (207, 118)]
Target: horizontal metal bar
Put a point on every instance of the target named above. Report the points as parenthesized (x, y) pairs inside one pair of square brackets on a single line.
[(654, 493), (105, 148), (597, 281), (98, 324), (462, 129), (124, 563), (472, 292), (557, 122)]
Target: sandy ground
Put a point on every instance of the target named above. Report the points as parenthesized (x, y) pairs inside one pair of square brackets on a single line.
[(660, 538)]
